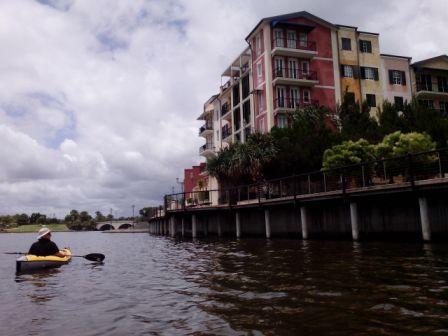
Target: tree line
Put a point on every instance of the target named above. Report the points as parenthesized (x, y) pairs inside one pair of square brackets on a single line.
[(74, 220), (316, 138)]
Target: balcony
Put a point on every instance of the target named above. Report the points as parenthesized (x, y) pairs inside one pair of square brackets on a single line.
[(226, 133), (431, 91), (225, 109), (206, 129), (207, 150), (290, 105), (294, 48), (284, 76), (227, 85)]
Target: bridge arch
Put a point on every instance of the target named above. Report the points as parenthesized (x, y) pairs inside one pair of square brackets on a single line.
[(125, 226), (106, 227)]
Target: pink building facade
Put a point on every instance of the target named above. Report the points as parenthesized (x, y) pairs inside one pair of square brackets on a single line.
[(396, 78)]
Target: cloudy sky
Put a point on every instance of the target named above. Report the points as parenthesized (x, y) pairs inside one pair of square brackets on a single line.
[(99, 99)]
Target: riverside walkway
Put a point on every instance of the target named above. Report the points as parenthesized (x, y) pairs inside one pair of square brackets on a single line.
[(402, 196)]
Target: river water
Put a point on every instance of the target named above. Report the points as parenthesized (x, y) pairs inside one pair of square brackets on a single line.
[(157, 285)]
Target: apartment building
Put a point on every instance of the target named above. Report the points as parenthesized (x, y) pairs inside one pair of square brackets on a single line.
[(396, 78), (297, 60), (430, 82), (294, 63)]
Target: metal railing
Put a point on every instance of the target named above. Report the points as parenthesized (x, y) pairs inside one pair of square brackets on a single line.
[(294, 44), (226, 131), (206, 127), (224, 109), (400, 171), (433, 87), (291, 103), (205, 147), (294, 74)]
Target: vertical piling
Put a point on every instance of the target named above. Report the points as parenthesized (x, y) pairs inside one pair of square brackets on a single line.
[(354, 220), (424, 217), (193, 226), (267, 222), (237, 225), (304, 222)]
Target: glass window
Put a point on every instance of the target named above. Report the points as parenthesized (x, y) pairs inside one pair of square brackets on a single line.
[(371, 100), (303, 39), (291, 39), (306, 96), (396, 77), (260, 102), (261, 125), (346, 43), (365, 46), (258, 44), (348, 71), (369, 73), (305, 68), (444, 108), (259, 70), (282, 121), (278, 38)]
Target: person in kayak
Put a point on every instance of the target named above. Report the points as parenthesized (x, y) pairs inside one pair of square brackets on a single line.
[(44, 246)]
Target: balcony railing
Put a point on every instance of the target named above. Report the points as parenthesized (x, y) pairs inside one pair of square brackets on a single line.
[(226, 85), (408, 171), (290, 103), (294, 74), (206, 127), (226, 131), (432, 87), (294, 44), (224, 109), (205, 147)]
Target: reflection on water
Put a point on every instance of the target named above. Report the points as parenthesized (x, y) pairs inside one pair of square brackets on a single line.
[(158, 285)]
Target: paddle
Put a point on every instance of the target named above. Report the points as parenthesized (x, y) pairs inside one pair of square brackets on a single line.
[(92, 256)]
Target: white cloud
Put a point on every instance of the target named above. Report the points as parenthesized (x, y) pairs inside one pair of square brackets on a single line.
[(99, 99)]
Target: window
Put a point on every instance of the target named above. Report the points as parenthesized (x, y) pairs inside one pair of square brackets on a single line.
[(444, 108), (291, 39), (260, 102), (279, 67), (303, 39), (306, 96), (399, 102), (365, 46), (442, 83), (294, 95), (428, 103), (293, 69), (305, 68), (346, 43), (371, 100), (259, 70), (282, 121), (424, 83), (258, 44), (347, 71), (261, 125), (397, 77), (278, 38), (369, 73)]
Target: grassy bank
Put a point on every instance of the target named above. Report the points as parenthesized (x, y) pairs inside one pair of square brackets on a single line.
[(35, 228)]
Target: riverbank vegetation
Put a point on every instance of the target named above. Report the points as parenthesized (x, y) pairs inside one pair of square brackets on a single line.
[(318, 139)]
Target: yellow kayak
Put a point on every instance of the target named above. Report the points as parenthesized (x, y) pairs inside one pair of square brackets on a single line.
[(31, 262)]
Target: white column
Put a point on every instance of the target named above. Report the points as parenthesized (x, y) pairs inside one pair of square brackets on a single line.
[(424, 217), (304, 221), (183, 226), (238, 225), (354, 220), (267, 222), (193, 226)]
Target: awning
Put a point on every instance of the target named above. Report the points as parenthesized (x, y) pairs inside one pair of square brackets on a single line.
[(301, 26)]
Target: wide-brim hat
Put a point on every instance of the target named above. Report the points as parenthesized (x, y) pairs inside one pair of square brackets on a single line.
[(42, 232)]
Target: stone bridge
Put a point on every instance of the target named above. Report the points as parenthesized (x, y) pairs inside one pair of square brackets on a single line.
[(114, 225)]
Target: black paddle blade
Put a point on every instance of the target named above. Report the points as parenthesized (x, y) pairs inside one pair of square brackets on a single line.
[(95, 257)]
